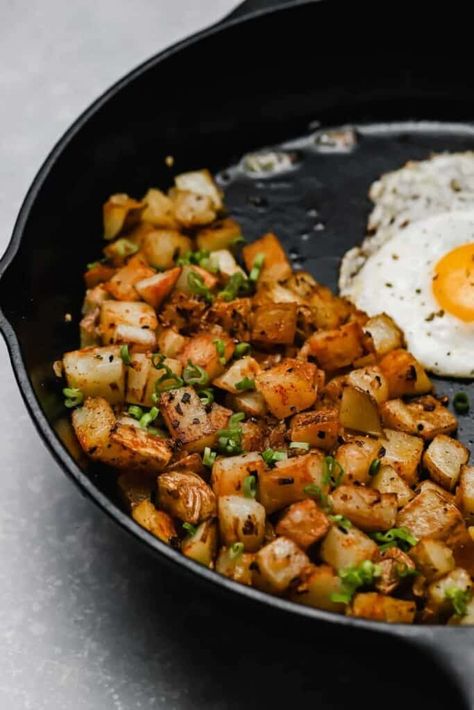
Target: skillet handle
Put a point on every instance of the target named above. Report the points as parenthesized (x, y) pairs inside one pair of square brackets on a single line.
[(250, 6)]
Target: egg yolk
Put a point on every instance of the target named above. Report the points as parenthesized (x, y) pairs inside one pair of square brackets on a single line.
[(453, 282)]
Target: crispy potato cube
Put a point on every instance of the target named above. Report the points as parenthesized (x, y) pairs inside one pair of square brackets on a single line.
[(367, 508), (225, 264), (443, 460), (433, 558), (276, 266), (138, 372), (387, 480), (251, 403), (93, 424), (120, 211), (154, 375), (304, 523), (370, 380), (200, 182), (328, 311), (162, 246), (378, 607), (425, 417), (155, 521), (396, 415), (430, 485), (170, 343), (97, 372), (182, 284), (402, 452), (202, 546), (274, 324), (245, 367), (187, 419), (97, 274), (228, 474), (390, 563), (233, 316), (319, 428), (116, 314), (342, 549), (285, 483), (186, 496), (192, 210), (359, 411), (154, 289), (404, 374), (253, 436), (241, 520), (94, 298), (356, 456), (89, 330), (219, 235), (288, 387), (159, 210), (430, 515), (137, 449), (134, 488), (465, 492), (438, 601), (280, 564), (219, 416), (236, 567), (337, 348), (201, 350), (121, 285), (386, 335), (317, 587)]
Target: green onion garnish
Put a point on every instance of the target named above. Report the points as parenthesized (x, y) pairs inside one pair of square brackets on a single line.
[(333, 472), (461, 403), (125, 355), (149, 417), (271, 457), (353, 578), (220, 348), (135, 411), (245, 384), (236, 550), (459, 599), (74, 397), (256, 267), (195, 375), (396, 537), (190, 529), (168, 380), (249, 487), (242, 349), (315, 491), (197, 286), (209, 457), (341, 521), (374, 467), (206, 396)]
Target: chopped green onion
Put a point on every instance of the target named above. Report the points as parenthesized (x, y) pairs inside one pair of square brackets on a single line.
[(206, 396), (374, 467), (341, 521), (125, 355), (230, 439), (235, 419), (249, 487), (461, 403), (300, 445), (92, 265), (271, 457), (459, 599), (124, 247), (238, 240), (245, 384), (235, 284), (236, 550), (149, 417), (190, 529), (396, 537), (353, 578), (256, 267), (168, 381), (135, 411), (209, 457), (195, 375), (404, 571), (333, 472), (74, 397), (220, 348), (198, 258), (197, 286), (242, 349), (315, 491)]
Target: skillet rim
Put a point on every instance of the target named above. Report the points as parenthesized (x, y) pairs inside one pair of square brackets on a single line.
[(60, 453)]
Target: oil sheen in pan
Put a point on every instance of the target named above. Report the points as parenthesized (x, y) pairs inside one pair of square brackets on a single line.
[(312, 192)]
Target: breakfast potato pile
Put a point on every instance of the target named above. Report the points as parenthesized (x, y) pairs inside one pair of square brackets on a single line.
[(263, 425)]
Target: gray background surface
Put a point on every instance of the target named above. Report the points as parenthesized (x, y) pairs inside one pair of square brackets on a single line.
[(88, 620)]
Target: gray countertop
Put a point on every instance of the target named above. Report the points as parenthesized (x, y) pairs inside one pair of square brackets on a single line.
[(88, 620)]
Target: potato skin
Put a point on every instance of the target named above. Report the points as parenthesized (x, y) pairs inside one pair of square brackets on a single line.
[(157, 522), (186, 496)]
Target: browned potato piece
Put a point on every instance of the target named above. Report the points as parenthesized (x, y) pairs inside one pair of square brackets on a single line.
[(94, 298), (288, 387), (433, 558), (170, 343), (404, 374), (378, 607), (359, 411), (120, 211), (328, 311), (387, 480), (89, 330), (285, 483), (276, 266), (154, 374), (392, 563), (438, 600), (97, 372), (189, 462), (241, 520), (443, 460), (304, 523), (386, 335), (245, 367), (430, 515), (154, 289), (427, 484), (233, 316), (317, 587), (370, 380), (274, 324), (155, 521), (280, 564), (201, 350), (128, 322), (425, 417), (235, 566), (97, 274), (137, 448), (134, 488), (219, 416), (318, 428), (93, 424), (253, 436), (202, 546), (186, 496), (402, 452), (137, 376), (200, 182), (187, 419), (228, 474), (121, 285), (162, 246), (192, 210), (365, 507), (356, 456), (251, 403), (465, 492), (337, 348), (219, 235), (341, 548), (159, 210)]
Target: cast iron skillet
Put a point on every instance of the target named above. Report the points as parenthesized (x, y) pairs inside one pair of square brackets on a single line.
[(259, 78)]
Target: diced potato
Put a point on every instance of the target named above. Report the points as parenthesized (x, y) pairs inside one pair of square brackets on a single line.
[(118, 212), (391, 563), (276, 266), (186, 496), (121, 285), (251, 403), (430, 485), (356, 456), (438, 601), (97, 274), (156, 288), (182, 284), (341, 548), (141, 338), (118, 251), (433, 558), (378, 607), (304, 523), (93, 424), (224, 262), (154, 375), (280, 564), (89, 329), (220, 235), (319, 428), (241, 520), (183, 311), (317, 587), (170, 343), (192, 210), (328, 311), (443, 460), (288, 387), (228, 474), (285, 483), (465, 492), (359, 411), (367, 508), (387, 480), (430, 515), (159, 210), (274, 324), (200, 182), (138, 373), (219, 416), (97, 372), (404, 374), (134, 488), (371, 381), (337, 348), (233, 316), (402, 452), (202, 546), (116, 314), (236, 567), (94, 298), (155, 521), (162, 247), (201, 350), (187, 419), (386, 335), (425, 417), (245, 367), (253, 436)]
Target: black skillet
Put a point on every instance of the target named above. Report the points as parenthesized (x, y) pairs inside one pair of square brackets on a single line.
[(264, 76)]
